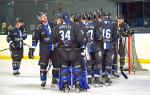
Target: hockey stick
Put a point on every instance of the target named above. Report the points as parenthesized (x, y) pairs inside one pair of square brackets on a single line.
[(27, 45), (9, 48), (4, 49), (49, 66), (124, 75)]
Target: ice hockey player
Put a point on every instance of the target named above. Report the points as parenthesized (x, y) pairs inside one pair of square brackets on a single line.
[(123, 33), (98, 15), (55, 60), (115, 62), (70, 43), (42, 35), (93, 38), (15, 38), (109, 31)]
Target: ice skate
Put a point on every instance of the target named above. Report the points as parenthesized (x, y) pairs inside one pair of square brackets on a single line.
[(65, 88), (78, 89), (16, 73), (54, 82), (97, 82), (115, 75), (43, 84), (108, 81)]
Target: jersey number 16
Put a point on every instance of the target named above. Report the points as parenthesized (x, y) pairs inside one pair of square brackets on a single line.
[(106, 33)]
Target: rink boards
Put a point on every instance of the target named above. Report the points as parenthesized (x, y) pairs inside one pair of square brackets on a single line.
[(141, 43)]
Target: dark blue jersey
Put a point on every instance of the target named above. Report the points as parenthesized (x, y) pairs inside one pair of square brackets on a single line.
[(123, 30), (42, 34), (16, 35), (109, 32), (68, 35), (92, 36)]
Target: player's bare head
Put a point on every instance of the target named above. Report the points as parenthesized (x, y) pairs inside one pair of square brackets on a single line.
[(72, 17), (19, 22), (120, 19), (42, 16)]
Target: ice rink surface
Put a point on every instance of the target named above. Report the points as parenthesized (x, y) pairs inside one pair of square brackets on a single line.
[(28, 83)]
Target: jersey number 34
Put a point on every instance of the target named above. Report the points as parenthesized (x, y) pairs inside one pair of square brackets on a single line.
[(65, 35)]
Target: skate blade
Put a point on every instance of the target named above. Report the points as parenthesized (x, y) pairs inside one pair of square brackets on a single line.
[(65, 91), (77, 90), (85, 91), (90, 85), (16, 75), (54, 85), (108, 84), (116, 78), (98, 85), (43, 88)]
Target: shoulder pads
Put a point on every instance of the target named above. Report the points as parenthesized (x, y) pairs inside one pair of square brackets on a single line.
[(39, 27), (11, 29)]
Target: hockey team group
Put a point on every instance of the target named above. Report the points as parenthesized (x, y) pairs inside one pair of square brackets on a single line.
[(82, 48)]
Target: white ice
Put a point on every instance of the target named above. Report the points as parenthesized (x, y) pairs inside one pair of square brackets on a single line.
[(28, 83)]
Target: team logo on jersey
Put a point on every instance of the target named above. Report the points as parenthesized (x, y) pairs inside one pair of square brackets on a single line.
[(100, 29), (100, 53), (15, 34), (82, 32)]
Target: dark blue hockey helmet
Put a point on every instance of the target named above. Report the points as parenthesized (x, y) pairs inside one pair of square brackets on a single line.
[(83, 16), (65, 16), (98, 14), (72, 15), (58, 16), (90, 16), (77, 17), (106, 14)]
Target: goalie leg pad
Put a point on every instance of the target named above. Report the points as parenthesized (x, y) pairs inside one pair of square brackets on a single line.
[(80, 77), (63, 78)]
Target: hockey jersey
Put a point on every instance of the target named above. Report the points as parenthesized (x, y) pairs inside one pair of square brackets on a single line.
[(108, 29)]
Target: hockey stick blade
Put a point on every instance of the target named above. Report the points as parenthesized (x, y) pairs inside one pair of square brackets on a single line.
[(4, 49), (124, 75), (27, 45)]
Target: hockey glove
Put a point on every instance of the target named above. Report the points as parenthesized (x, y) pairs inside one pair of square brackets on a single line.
[(31, 53), (12, 46), (83, 52)]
